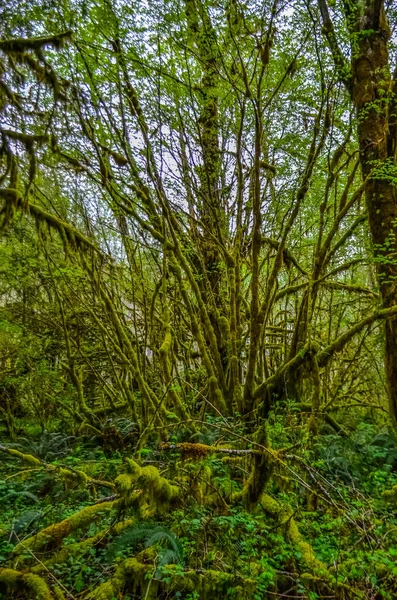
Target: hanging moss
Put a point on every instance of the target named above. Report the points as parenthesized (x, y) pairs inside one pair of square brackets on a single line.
[(224, 327), (157, 490), (70, 236)]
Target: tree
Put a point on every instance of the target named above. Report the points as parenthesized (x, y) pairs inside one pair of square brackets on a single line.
[(372, 88), (197, 185), (200, 255)]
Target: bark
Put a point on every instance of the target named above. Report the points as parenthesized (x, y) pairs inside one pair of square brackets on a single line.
[(373, 93), (370, 91), (211, 213)]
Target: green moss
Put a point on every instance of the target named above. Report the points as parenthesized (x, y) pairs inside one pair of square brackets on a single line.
[(124, 483), (81, 548), (52, 536), (27, 458), (58, 593), (71, 477), (391, 495), (156, 489), (132, 570), (14, 580)]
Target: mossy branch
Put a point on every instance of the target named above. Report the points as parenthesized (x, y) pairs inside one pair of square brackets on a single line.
[(341, 65), (65, 473), (202, 450), (51, 537), (18, 45), (325, 355)]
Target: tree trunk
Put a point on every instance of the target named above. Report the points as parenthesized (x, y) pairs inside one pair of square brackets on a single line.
[(373, 92), (373, 97)]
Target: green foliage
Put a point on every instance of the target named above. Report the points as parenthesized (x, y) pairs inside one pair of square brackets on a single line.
[(197, 279), (171, 550), (368, 457), (49, 446)]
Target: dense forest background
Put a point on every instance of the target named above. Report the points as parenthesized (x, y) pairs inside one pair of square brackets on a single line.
[(198, 299)]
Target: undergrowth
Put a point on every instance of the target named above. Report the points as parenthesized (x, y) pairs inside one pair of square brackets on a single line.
[(174, 523)]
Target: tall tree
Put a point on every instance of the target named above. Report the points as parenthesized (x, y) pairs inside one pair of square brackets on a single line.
[(373, 90)]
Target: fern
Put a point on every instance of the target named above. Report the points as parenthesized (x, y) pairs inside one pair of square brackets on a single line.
[(168, 557), (225, 541), (25, 521), (23, 493), (129, 537), (48, 447), (150, 534), (125, 426), (206, 436), (161, 533)]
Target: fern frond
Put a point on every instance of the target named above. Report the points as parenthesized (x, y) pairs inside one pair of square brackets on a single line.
[(24, 493), (26, 520), (129, 537), (162, 533), (150, 533), (166, 557)]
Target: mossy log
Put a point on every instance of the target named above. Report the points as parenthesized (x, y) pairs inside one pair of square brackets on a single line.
[(52, 537), (34, 585), (134, 574), (202, 450), (82, 547)]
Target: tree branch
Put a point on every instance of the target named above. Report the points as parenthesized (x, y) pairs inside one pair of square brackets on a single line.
[(341, 65)]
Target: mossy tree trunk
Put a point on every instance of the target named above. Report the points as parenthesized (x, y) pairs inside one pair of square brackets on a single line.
[(373, 92)]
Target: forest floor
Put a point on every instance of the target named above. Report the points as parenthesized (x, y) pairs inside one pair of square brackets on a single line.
[(80, 519)]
